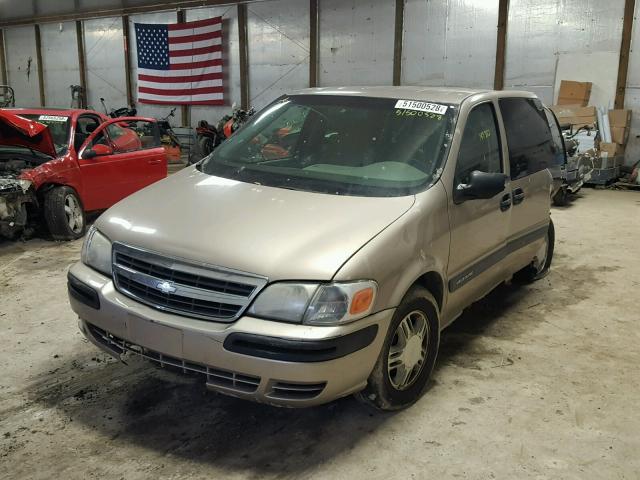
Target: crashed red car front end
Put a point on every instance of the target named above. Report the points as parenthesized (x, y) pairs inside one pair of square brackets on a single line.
[(55, 165)]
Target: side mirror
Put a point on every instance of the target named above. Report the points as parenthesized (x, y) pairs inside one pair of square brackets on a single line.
[(481, 185), (97, 150)]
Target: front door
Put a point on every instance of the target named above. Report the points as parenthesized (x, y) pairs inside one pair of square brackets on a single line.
[(129, 158), (478, 227)]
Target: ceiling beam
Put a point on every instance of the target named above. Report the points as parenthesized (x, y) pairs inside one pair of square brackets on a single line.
[(117, 12)]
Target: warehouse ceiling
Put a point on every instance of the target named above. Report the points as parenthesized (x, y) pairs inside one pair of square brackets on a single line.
[(21, 12)]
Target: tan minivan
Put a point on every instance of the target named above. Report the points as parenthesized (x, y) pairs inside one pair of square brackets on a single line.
[(320, 250)]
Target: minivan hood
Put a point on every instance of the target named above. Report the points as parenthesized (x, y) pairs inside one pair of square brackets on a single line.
[(22, 132), (278, 233)]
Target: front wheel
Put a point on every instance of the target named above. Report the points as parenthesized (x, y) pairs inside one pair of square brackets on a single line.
[(408, 354), (64, 214)]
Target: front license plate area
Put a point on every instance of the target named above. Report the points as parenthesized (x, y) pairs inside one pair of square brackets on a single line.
[(154, 336)]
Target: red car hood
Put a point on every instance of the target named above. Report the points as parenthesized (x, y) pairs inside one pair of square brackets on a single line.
[(19, 131)]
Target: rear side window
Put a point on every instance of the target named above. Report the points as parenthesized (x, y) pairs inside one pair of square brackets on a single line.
[(480, 145), (531, 147), (556, 135)]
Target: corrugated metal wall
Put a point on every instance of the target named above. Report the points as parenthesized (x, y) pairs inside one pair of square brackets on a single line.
[(539, 30), (278, 49), (22, 65), (450, 43), (446, 42), (104, 44), (356, 42), (59, 62)]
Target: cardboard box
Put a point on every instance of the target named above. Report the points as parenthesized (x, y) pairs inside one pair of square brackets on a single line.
[(574, 93), (620, 135), (611, 150), (575, 115), (620, 118)]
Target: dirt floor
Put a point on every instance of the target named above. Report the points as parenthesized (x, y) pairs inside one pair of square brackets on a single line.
[(540, 381)]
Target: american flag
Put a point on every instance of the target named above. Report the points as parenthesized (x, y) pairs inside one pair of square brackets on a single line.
[(180, 63)]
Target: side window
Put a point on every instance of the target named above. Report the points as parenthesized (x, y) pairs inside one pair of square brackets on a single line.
[(531, 147), (133, 136), (123, 139), (99, 139), (480, 145), (85, 127), (556, 136), (148, 133)]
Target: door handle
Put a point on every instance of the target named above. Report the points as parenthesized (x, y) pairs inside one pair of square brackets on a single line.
[(518, 196), (505, 202), (153, 162)]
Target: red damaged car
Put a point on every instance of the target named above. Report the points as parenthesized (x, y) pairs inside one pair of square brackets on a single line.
[(55, 165)]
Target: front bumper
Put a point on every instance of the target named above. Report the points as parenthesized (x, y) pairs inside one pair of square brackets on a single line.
[(271, 362)]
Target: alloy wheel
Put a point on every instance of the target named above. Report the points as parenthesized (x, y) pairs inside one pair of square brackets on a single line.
[(73, 212), (408, 350)]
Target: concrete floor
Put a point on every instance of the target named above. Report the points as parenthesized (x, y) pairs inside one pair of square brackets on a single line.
[(537, 382)]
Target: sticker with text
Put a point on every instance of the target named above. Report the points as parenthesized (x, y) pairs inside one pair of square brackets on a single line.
[(417, 113), (52, 118), (422, 106)]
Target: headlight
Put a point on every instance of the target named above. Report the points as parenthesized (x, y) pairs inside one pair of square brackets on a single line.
[(96, 251), (316, 304)]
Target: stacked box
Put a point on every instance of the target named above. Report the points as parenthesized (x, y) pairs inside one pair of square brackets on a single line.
[(574, 93), (575, 115), (620, 122)]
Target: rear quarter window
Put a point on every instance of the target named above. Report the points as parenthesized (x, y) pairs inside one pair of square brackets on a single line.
[(531, 147)]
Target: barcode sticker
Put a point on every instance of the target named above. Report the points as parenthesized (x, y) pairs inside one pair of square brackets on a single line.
[(52, 118), (422, 106)]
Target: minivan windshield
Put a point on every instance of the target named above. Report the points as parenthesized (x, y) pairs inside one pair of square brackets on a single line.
[(339, 145)]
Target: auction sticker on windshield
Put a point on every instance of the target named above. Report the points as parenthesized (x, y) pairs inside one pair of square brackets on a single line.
[(52, 118), (422, 106)]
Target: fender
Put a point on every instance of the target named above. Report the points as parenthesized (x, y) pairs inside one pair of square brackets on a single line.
[(416, 244)]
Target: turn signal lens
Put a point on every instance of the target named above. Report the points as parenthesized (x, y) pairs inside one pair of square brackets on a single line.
[(361, 301), (337, 303)]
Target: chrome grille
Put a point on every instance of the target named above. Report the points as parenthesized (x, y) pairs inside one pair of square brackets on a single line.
[(215, 377), (175, 285)]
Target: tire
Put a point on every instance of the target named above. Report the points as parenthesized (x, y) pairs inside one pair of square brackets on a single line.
[(385, 389), (206, 145), (560, 198), (63, 214), (533, 272)]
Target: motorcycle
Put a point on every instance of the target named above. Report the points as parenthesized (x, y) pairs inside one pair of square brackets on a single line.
[(119, 112), (209, 136), (168, 138), (230, 123)]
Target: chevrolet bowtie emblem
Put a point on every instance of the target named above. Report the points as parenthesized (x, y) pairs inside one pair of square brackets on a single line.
[(166, 287)]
